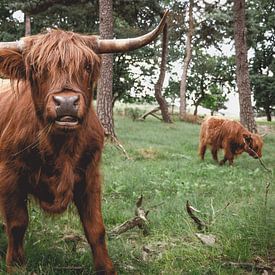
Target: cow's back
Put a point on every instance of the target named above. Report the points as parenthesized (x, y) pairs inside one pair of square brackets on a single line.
[(210, 130)]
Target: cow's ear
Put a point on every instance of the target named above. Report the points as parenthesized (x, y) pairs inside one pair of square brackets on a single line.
[(247, 138), (11, 64)]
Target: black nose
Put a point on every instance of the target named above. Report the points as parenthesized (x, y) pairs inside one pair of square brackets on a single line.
[(66, 105)]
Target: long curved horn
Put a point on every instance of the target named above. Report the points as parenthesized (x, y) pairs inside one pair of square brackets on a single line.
[(13, 45), (125, 45)]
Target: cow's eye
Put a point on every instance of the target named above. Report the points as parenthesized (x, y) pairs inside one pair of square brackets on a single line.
[(88, 67)]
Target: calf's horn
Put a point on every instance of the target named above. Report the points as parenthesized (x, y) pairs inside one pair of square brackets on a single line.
[(129, 44)]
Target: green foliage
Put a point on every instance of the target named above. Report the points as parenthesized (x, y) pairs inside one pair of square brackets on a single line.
[(264, 95), (10, 28), (211, 76), (133, 113), (215, 100), (172, 90), (262, 40)]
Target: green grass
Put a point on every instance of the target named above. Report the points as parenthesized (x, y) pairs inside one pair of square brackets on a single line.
[(166, 170)]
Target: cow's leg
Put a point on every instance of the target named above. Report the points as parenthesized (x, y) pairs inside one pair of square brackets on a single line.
[(88, 202), (13, 205), (202, 150), (14, 208), (214, 152), (228, 155)]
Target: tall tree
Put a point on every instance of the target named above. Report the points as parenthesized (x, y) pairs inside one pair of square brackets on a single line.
[(243, 81), (261, 30), (105, 86), (188, 53), (27, 20), (159, 85)]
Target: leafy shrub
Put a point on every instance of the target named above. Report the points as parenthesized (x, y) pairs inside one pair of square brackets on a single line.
[(133, 113)]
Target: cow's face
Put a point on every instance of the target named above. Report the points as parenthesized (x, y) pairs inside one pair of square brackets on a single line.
[(253, 144), (61, 69)]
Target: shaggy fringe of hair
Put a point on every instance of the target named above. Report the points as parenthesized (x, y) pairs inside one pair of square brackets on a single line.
[(68, 51)]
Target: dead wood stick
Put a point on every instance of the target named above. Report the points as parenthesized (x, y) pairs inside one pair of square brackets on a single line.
[(136, 221), (140, 220), (249, 266), (260, 160), (200, 224), (119, 146), (154, 115), (78, 268), (266, 192), (149, 113)]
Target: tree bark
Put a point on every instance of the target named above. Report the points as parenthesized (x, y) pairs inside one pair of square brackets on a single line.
[(105, 84), (268, 114), (243, 81), (188, 55), (27, 24), (196, 110), (159, 85)]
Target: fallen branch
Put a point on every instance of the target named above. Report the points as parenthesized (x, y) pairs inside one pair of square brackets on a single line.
[(266, 192), (140, 220), (200, 224), (249, 266), (218, 212), (267, 169), (75, 268), (151, 112), (119, 146), (260, 160)]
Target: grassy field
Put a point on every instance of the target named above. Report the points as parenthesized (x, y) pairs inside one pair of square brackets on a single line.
[(166, 170)]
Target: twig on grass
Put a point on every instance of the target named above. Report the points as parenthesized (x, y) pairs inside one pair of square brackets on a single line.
[(140, 220), (260, 160), (200, 224), (75, 268), (217, 213), (120, 147), (249, 266), (266, 193)]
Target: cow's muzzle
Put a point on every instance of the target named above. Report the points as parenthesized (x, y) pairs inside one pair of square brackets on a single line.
[(66, 110)]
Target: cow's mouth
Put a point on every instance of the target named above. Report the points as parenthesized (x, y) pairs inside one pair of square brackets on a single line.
[(67, 121)]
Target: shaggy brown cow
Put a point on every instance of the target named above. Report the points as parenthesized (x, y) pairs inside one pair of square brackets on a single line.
[(50, 138), (220, 133)]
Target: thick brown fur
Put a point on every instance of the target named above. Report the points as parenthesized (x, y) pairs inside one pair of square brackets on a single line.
[(55, 165), (221, 133)]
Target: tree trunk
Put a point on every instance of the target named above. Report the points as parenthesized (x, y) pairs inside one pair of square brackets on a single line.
[(27, 25), (159, 85), (188, 54), (243, 81), (105, 84), (196, 110), (268, 114)]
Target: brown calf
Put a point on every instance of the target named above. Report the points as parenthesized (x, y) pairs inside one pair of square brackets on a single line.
[(220, 133)]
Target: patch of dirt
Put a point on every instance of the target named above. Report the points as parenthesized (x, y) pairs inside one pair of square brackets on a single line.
[(149, 153)]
